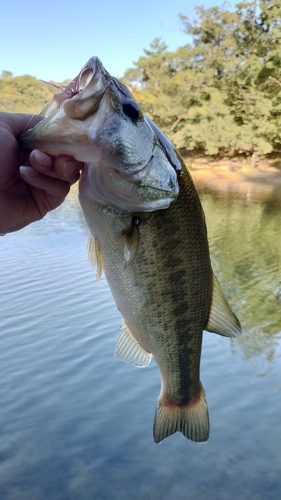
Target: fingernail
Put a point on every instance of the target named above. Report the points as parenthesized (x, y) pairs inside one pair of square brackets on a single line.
[(28, 171), (43, 159), (69, 168)]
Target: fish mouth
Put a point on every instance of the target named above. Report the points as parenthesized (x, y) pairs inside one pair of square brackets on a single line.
[(96, 120), (61, 131), (76, 115)]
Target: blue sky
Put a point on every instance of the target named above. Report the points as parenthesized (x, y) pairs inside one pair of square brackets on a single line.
[(52, 40)]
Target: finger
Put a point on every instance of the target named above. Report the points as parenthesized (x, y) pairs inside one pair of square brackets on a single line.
[(72, 180), (19, 122), (66, 167), (55, 189), (42, 162), (62, 167)]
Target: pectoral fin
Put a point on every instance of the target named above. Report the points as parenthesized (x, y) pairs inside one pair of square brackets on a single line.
[(131, 243), (95, 256), (129, 350), (222, 319)]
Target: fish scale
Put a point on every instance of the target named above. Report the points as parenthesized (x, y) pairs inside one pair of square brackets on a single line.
[(181, 318), (170, 321)]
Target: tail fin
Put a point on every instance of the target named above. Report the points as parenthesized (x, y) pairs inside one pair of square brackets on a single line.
[(192, 420)]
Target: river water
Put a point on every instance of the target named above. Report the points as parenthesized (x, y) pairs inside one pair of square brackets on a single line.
[(76, 424)]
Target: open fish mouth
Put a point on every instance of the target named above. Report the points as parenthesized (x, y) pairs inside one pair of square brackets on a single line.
[(87, 115), (91, 80), (70, 107)]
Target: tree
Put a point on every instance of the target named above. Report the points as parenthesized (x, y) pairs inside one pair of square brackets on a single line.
[(223, 92), (229, 45), (24, 94), (6, 74)]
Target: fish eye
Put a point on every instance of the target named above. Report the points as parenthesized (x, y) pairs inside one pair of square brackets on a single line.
[(131, 109)]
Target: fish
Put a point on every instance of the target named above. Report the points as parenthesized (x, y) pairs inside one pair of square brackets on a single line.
[(148, 236)]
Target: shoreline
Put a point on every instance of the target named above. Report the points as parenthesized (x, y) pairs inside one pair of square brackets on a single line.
[(232, 173), (263, 170)]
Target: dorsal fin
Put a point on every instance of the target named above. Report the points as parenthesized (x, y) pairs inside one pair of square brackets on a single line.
[(222, 319), (95, 256)]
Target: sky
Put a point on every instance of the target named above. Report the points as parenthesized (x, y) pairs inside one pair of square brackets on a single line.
[(52, 40)]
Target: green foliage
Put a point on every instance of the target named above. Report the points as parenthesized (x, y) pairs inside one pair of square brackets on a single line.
[(23, 94), (249, 269), (223, 92)]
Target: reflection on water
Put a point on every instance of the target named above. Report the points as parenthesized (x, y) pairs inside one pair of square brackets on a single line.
[(245, 241), (75, 423)]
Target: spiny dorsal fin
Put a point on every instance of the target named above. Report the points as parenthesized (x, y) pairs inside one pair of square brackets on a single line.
[(129, 350), (95, 256), (191, 419), (222, 319)]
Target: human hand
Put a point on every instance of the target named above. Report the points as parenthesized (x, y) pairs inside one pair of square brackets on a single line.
[(31, 183)]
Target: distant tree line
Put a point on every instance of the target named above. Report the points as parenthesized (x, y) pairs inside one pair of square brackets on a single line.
[(221, 93), (23, 94)]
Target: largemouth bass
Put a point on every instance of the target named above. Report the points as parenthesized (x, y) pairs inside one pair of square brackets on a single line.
[(148, 236)]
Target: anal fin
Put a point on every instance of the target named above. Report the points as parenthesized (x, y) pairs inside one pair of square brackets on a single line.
[(191, 419), (129, 350), (222, 319)]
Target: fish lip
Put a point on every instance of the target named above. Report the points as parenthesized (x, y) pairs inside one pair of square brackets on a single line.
[(29, 140), (136, 177), (167, 197), (68, 99), (173, 193), (83, 81)]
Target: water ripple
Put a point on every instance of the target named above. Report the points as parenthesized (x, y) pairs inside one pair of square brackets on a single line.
[(77, 423)]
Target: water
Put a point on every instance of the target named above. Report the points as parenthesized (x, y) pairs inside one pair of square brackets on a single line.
[(75, 423)]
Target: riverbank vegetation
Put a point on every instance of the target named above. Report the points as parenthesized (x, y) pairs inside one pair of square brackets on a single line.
[(221, 93)]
